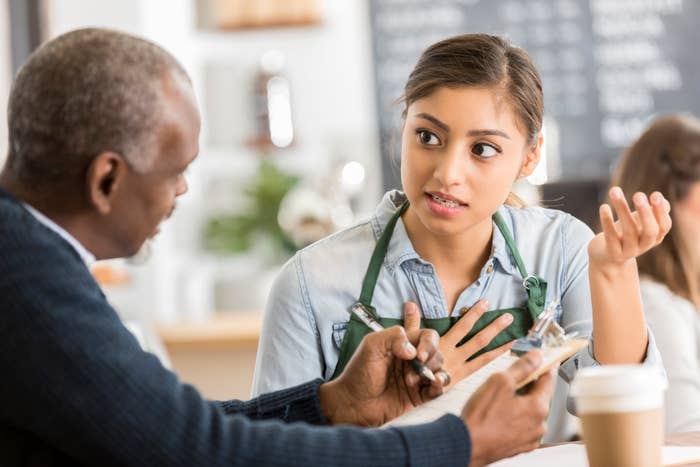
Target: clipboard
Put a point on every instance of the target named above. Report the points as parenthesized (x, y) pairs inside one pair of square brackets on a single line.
[(454, 400), (553, 356)]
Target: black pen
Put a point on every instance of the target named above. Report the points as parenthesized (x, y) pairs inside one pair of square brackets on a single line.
[(359, 310)]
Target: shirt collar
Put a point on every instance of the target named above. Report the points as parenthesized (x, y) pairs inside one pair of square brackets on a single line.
[(400, 246), (87, 257)]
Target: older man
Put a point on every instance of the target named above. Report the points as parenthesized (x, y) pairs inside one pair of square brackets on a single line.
[(102, 126)]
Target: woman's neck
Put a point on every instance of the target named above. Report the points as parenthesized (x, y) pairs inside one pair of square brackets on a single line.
[(456, 256)]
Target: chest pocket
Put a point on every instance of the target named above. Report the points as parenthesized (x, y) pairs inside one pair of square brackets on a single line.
[(338, 332)]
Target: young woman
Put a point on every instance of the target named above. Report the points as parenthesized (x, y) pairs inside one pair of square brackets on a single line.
[(455, 243), (666, 158)]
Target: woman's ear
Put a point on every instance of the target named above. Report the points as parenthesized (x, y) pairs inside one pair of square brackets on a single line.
[(103, 179), (532, 157)]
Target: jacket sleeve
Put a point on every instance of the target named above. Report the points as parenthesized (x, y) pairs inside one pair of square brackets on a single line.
[(81, 384)]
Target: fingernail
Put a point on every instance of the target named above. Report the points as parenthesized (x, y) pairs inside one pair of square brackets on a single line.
[(485, 304), (408, 346), (533, 358), (616, 193), (641, 199), (507, 318), (423, 356), (656, 198)]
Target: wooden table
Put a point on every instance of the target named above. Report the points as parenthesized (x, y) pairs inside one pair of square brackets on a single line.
[(684, 439), (691, 438)]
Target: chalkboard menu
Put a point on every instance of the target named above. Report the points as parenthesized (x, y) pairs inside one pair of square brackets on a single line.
[(607, 67)]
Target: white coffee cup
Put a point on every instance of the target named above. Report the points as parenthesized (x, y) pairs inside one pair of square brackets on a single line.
[(621, 411)]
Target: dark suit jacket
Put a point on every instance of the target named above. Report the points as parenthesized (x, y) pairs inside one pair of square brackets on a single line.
[(76, 388)]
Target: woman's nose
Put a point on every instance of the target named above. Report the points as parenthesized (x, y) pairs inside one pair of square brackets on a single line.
[(451, 166)]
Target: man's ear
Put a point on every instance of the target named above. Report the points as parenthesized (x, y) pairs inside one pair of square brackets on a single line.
[(532, 157), (104, 177)]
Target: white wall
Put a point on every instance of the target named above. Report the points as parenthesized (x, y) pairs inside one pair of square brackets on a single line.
[(329, 67), (5, 75)]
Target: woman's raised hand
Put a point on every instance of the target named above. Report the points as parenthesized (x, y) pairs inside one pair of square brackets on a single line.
[(634, 233)]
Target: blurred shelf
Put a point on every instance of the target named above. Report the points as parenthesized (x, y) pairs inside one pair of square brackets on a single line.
[(224, 329), (247, 45), (267, 25), (243, 161)]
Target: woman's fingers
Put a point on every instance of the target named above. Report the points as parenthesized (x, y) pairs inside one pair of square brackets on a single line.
[(465, 324), (630, 228), (486, 357), (635, 232), (485, 336), (647, 221), (661, 209), (613, 240)]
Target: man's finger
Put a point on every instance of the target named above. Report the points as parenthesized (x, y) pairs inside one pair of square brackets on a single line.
[(428, 346), (411, 317), (396, 340), (525, 365), (542, 389)]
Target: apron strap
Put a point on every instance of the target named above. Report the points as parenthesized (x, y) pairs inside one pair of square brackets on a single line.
[(375, 263), (536, 286)]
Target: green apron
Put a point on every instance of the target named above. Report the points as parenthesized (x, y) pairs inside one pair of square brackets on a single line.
[(523, 317)]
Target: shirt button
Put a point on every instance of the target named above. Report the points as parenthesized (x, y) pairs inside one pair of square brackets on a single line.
[(489, 269), (463, 310)]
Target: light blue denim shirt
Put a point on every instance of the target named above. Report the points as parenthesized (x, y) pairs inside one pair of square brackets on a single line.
[(307, 311)]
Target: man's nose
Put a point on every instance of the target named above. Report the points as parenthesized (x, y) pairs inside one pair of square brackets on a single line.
[(182, 187)]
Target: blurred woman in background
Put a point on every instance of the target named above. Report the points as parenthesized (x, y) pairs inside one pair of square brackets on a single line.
[(666, 158)]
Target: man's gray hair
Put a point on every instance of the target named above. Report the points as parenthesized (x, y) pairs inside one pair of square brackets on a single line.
[(86, 92)]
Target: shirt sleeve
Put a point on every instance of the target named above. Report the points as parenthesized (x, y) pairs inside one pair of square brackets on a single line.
[(675, 330), (289, 351)]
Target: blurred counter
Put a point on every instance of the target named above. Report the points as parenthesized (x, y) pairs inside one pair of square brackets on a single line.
[(218, 355)]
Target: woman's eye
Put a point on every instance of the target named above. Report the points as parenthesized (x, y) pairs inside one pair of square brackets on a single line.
[(484, 150), (427, 138)]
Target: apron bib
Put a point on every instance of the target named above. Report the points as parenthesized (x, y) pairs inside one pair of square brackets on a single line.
[(523, 317)]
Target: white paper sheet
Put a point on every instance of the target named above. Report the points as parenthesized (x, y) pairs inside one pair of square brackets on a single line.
[(574, 455), (453, 401)]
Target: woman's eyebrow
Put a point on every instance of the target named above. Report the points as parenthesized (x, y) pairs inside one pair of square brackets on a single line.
[(488, 133), (443, 126)]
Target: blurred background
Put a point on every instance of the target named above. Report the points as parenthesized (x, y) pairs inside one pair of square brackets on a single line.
[(300, 132)]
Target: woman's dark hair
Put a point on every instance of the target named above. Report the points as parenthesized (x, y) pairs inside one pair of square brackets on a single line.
[(481, 60)]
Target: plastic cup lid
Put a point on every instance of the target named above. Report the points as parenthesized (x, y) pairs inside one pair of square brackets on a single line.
[(617, 380)]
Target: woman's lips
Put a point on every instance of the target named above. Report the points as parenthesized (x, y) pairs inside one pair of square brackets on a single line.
[(444, 207)]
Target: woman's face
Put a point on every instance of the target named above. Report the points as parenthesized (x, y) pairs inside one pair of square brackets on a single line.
[(461, 151)]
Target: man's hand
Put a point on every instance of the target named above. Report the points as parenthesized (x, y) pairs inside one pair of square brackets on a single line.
[(378, 384), (502, 423)]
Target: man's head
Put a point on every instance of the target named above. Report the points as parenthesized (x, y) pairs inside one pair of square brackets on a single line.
[(102, 126)]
